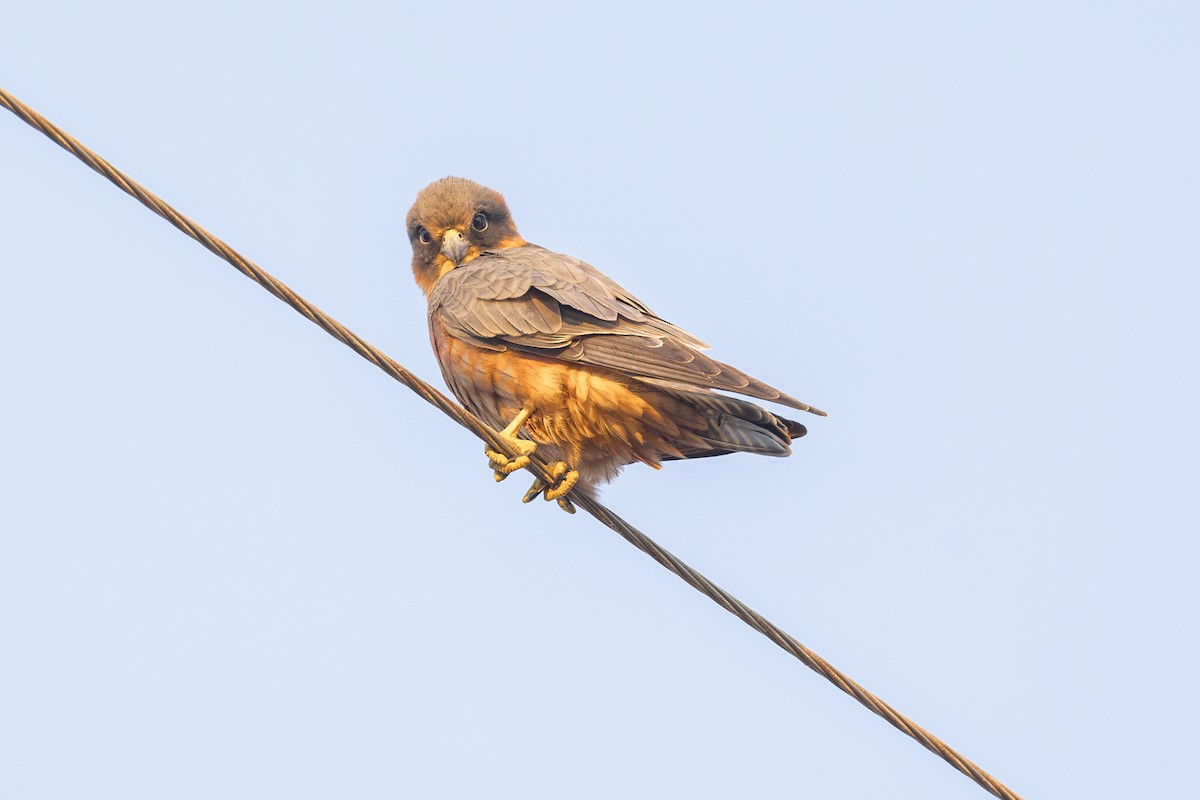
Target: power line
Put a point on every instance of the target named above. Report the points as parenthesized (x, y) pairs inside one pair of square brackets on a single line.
[(537, 466)]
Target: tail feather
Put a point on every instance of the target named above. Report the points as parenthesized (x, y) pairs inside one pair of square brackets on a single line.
[(733, 426)]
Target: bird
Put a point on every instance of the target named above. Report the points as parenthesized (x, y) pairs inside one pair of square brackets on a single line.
[(558, 358)]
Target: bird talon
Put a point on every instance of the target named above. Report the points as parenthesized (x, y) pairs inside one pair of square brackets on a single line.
[(564, 479), (503, 466), (534, 490)]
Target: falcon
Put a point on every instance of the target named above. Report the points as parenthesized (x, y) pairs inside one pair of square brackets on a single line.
[(558, 358)]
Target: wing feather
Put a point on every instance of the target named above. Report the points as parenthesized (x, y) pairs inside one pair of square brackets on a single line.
[(530, 299)]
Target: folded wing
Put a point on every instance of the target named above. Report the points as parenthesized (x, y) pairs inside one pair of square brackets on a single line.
[(533, 300)]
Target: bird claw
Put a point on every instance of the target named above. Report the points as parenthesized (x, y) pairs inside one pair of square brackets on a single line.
[(503, 466), (564, 479)]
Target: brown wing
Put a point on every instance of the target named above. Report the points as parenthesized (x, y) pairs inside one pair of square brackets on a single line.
[(530, 299)]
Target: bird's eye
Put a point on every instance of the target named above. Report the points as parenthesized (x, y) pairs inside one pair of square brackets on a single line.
[(479, 222), (424, 236)]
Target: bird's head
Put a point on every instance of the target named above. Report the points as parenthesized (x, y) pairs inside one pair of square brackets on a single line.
[(451, 223)]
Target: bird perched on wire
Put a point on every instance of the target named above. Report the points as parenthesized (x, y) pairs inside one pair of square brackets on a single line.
[(542, 344)]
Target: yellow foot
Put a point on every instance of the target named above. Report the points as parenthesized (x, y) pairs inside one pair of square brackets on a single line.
[(564, 479), (503, 466)]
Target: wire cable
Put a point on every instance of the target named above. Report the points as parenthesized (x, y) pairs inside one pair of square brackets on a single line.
[(493, 440)]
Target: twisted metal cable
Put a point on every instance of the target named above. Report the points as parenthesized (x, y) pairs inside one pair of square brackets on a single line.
[(493, 440)]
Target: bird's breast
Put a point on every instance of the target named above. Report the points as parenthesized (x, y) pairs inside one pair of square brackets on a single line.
[(573, 406)]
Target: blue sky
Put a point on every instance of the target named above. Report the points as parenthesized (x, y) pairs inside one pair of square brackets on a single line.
[(238, 561)]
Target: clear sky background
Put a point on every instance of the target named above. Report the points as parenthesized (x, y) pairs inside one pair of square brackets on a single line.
[(237, 561)]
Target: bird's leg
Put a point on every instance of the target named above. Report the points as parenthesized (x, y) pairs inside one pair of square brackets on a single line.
[(564, 479), (502, 465)]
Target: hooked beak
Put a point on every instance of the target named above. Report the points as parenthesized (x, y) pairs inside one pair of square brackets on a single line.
[(454, 246)]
